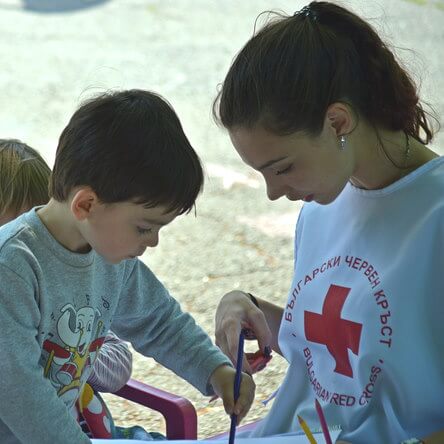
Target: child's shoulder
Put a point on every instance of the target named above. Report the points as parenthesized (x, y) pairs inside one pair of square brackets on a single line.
[(17, 239), (13, 234)]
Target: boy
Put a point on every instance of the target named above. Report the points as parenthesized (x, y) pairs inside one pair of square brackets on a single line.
[(24, 181), (69, 270)]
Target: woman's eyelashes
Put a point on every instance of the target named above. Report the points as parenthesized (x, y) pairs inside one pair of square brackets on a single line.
[(284, 170), (143, 231)]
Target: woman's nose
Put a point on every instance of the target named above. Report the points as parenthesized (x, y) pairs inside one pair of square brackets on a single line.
[(153, 240), (275, 190)]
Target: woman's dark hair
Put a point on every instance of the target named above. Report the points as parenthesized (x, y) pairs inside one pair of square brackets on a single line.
[(128, 146), (287, 75)]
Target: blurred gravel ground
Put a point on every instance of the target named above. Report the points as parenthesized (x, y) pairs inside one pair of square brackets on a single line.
[(56, 53)]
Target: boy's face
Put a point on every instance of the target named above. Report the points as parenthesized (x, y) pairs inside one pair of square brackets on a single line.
[(124, 230)]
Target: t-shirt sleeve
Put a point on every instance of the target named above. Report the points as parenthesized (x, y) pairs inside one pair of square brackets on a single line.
[(29, 405), (152, 320), (113, 365)]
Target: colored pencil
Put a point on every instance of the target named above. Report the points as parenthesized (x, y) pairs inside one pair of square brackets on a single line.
[(307, 430), (323, 423), (237, 381)]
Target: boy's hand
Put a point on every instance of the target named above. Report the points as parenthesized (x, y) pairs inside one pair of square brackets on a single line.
[(222, 381)]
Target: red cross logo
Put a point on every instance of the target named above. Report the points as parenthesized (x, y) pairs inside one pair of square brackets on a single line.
[(337, 334)]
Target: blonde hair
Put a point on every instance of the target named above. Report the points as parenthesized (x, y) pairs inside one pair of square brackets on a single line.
[(24, 177)]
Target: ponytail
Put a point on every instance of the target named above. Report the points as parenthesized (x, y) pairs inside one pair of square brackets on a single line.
[(288, 74)]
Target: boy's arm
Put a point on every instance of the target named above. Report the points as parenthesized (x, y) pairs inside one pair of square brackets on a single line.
[(113, 365), (30, 408), (153, 322)]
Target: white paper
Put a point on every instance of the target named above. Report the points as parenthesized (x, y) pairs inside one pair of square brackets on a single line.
[(285, 439)]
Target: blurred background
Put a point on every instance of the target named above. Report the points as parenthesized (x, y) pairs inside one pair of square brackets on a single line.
[(56, 53)]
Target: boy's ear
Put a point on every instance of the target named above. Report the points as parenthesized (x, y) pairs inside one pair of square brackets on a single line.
[(340, 119), (83, 203)]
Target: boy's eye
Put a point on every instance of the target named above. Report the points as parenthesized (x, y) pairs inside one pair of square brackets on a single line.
[(141, 230), (285, 170)]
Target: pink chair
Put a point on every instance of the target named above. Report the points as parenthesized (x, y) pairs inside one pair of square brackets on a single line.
[(180, 415)]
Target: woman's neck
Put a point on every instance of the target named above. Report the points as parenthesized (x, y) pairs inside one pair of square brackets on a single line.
[(383, 157)]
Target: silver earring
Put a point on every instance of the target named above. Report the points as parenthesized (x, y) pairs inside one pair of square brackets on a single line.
[(343, 142)]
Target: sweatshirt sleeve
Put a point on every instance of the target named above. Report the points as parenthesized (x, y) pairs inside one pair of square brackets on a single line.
[(113, 365), (29, 405), (152, 320)]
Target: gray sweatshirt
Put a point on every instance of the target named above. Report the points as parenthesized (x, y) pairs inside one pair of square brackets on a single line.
[(56, 307)]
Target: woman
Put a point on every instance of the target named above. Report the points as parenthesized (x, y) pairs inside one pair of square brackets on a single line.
[(320, 106)]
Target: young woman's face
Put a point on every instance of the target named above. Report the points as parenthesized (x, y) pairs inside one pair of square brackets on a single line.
[(297, 166)]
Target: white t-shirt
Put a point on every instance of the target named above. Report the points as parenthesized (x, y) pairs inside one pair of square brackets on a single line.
[(363, 329)]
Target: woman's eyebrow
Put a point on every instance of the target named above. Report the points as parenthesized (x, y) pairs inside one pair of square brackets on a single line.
[(154, 221)]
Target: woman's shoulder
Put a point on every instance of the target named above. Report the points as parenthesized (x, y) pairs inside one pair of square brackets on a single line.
[(428, 180), (434, 169)]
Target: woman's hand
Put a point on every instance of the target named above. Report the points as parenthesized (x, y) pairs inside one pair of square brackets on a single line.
[(222, 381), (235, 312)]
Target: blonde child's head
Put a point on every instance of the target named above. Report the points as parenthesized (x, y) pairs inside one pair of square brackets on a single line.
[(24, 178)]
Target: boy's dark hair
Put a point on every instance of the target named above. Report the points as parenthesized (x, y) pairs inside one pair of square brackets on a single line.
[(128, 146), (287, 75)]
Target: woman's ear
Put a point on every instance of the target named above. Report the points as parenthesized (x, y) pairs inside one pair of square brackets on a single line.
[(340, 119), (83, 203)]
